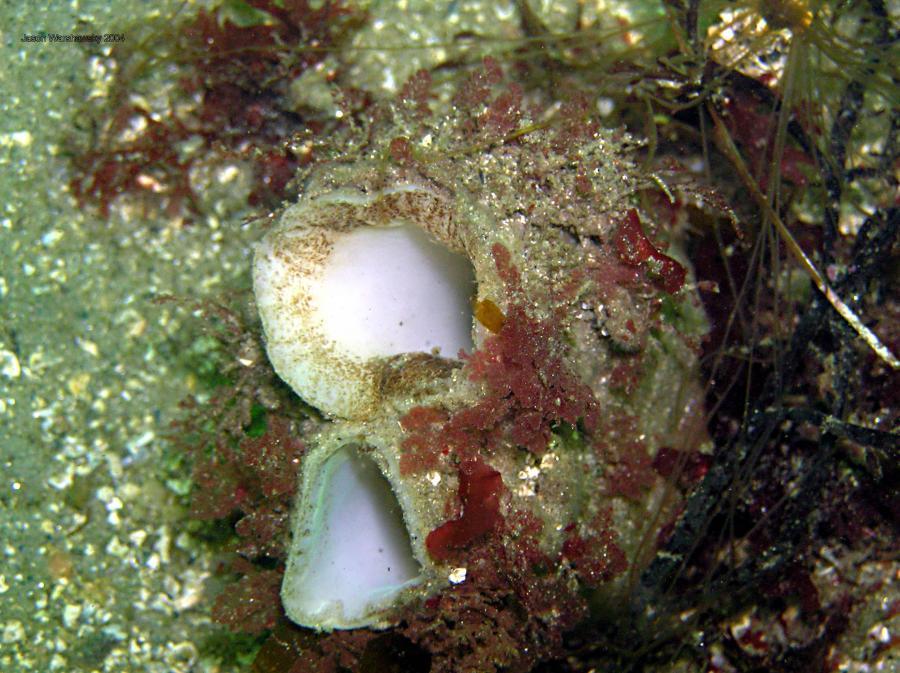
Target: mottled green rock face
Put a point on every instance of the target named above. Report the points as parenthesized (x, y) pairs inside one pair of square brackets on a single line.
[(552, 435)]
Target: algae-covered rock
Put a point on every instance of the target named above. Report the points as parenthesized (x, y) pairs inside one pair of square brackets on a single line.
[(562, 427)]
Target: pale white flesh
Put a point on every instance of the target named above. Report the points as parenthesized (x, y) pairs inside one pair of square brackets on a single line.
[(355, 553), (391, 290)]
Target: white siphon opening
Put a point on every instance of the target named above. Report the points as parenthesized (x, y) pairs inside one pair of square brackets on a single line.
[(391, 290), (356, 553)]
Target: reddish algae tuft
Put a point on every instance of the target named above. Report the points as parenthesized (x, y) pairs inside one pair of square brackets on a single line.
[(480, 487), (636, 249), (252, 605), (230, 105), (422, 447), (596, 555), (621, 446)]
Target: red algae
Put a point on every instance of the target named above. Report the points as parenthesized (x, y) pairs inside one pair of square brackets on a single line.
[(252, 604), (261, 532), (520, 365), (256, 481), (274, 458), (507, 271), (609, 273), (577, 126), (529, 390), (480, 487), (420, 418), (218, 490), (687, 467), (422, 447), (512, 610), (291, 649), (246, 458), (401, 151), (148, 165), (230, 105), (595, 553), (490, 115), (753, 127), (636, 249), (503, 114), (479, 87), (621, 446), (416, 93)]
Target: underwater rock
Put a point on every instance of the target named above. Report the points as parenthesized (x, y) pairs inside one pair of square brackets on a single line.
[(548, 402)]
